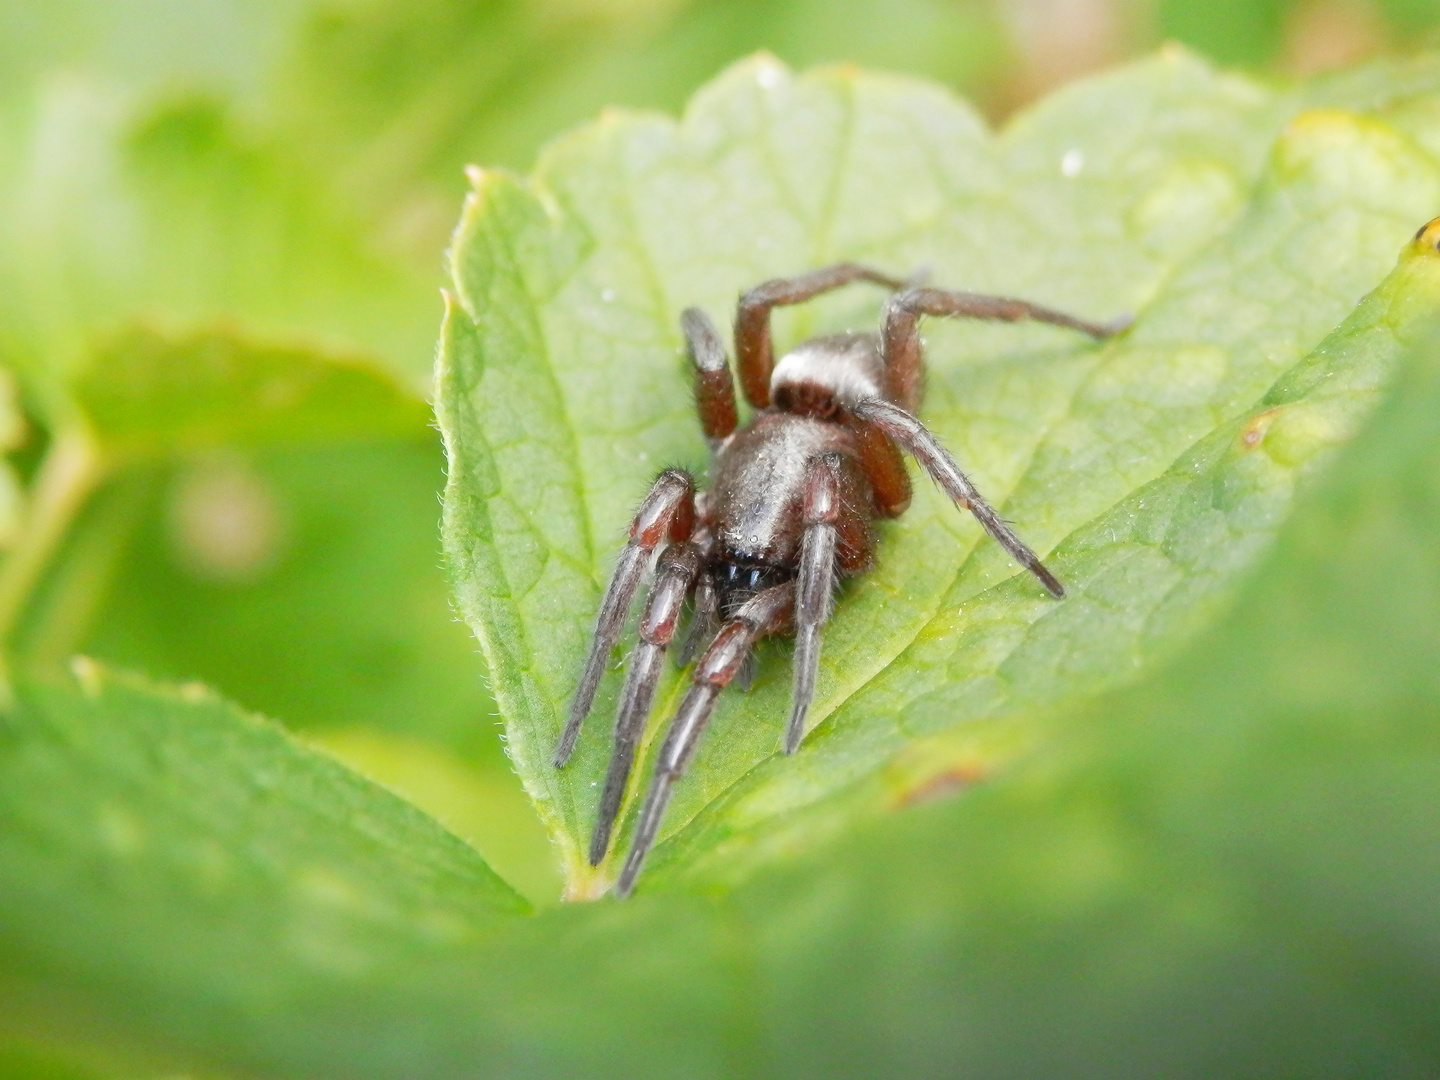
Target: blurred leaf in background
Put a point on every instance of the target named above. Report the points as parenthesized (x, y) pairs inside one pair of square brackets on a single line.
[(176, 212), (421, 90), (283, 174), (148, 202), (229, 46)]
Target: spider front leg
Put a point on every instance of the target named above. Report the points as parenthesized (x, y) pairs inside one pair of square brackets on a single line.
[(814, 587), (715, 406), (668, 513), (767, 612), (904, 377), (714, 387), (754, 351), (674, 578), (904, 364), (907, 430)]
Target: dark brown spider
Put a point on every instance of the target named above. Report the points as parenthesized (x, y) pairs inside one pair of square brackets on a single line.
[(789, 511)]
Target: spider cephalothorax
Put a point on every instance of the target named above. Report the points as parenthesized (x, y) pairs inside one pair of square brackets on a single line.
[(790, 509)]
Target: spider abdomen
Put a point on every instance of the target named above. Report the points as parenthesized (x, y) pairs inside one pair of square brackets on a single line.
[(823, 376)]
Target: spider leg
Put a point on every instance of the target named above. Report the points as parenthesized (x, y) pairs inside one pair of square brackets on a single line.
[(814, 587), (764, 613), (667, 513), (904, 365), (703, 621), (673, 580), (909, 432), (714, 387), (754, 351), (705, 609)]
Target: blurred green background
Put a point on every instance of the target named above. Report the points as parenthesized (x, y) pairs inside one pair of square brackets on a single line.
[(289, 171)]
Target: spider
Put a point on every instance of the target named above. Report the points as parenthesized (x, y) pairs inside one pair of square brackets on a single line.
[(789, 512)]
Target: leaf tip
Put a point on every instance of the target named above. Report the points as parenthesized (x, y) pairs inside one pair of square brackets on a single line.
[(1172, 52), (587, 883), (767, 69)]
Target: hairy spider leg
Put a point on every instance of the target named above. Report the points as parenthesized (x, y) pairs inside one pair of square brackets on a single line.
[(904, 362), (754, 350), (814, 586), (714, 386), (909, 432), (674, 577), (667, 513), (767, 612)]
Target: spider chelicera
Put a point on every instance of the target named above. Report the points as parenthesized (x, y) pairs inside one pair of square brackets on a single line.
[(789, 512)]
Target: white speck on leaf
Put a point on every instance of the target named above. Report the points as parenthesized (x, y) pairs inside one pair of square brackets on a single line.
[(1072, 163), (769, 75)]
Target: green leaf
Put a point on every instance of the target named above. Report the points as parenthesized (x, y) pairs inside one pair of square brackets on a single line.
[(14, 434), (1240, 225), (322, 562), (1228, 865), (268, 526), (149, 398), (1231, 31), (182, 212), (396, 98), (21, 1060), (303, 581), (480, 803), (151, 395), (146, 44), (145, 828)]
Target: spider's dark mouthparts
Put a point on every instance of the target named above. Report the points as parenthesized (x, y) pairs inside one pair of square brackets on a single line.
[(793, 495), (736, 579)]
